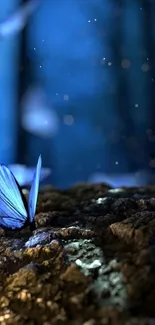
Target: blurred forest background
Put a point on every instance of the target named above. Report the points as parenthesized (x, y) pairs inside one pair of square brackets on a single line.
[(77, 84)]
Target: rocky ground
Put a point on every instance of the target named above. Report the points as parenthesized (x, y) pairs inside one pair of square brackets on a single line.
[(90, 261)]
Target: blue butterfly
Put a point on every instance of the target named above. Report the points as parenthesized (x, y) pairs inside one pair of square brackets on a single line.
[(15, 211)]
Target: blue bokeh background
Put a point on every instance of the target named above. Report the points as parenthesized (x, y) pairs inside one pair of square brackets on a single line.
[(95, 61)]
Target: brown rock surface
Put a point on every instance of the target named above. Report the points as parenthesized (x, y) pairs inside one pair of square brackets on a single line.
[(90, 261)]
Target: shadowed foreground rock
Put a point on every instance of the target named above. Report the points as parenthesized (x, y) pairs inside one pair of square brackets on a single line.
[(90, 261)]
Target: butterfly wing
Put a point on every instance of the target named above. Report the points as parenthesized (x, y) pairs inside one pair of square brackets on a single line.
[(33, 195), (13, 212)]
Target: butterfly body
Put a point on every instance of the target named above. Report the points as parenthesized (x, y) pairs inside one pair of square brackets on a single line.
[(15, 211)]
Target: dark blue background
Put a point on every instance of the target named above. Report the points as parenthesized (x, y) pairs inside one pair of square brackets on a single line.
[(101, 54)]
